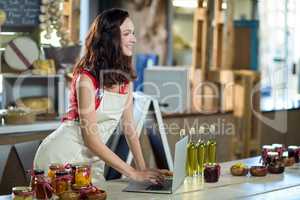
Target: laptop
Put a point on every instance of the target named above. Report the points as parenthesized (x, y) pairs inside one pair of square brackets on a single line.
[(170, 184)]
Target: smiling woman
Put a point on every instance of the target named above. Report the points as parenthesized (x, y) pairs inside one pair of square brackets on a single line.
[(127, 37), (101, 96)]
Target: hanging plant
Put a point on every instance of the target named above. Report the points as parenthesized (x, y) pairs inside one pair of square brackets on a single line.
[(51, 19)]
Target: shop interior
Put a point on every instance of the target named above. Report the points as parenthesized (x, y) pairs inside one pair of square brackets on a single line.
[(230, 68)]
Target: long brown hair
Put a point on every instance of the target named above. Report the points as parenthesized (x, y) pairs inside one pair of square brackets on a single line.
[(103, 54)]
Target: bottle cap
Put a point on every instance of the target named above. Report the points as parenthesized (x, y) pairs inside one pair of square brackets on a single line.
[(202, 130), (212, 128), (192, 131), (182, 133)]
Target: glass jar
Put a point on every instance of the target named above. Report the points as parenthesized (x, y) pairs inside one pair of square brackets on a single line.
[(22, 193), (264, 153), (275, 163), (98, 195), (273, 159), (40, 185), (83, 176), (53, 168), (70, 195), (62, 182), (91, 193), (212, 172), (288, 161), (293, 152), (278, 148), (34, 177), (73, 173)]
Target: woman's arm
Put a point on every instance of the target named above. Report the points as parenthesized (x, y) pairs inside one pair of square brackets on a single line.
[(88, 124), (131, 135)]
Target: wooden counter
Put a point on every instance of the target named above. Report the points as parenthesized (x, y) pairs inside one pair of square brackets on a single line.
[(18, 145)]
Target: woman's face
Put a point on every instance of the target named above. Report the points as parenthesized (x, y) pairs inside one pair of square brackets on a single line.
[(127, 37)]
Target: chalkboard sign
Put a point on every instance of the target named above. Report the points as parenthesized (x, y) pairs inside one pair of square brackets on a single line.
[(21, 13)]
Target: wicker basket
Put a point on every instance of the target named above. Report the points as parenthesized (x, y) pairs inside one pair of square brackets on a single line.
[(18, 116), (39, 105), (100, 195)]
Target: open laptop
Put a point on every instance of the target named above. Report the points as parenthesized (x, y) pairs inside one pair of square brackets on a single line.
[(170, 184)]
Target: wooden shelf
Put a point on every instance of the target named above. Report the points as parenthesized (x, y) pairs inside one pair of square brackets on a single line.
[(13, 75), (23, 128), (71, 12)]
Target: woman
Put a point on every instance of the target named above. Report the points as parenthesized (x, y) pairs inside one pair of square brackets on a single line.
[(101, 95)]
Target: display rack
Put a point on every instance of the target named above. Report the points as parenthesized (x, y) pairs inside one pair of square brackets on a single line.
[(15, 86)]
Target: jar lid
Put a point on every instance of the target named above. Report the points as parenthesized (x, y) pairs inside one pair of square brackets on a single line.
[(293, 147), (61, 173), (38, 172), (269, 147), (211, 165), (55, 166), (277, 145), (285, 154), (78, 164), (83, 166), (272, 153), (22, 191)]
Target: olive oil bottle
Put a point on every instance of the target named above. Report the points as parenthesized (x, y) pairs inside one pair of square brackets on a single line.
[(192, 157), (211, 145), (182, 134), (201, 150)]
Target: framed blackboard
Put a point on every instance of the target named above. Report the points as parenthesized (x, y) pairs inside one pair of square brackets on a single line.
[(20, 13)]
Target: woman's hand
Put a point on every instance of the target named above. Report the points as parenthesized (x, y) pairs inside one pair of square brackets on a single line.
[(166, 173), (155, 176)]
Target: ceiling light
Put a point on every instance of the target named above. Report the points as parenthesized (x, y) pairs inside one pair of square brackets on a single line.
[(185, 3), (224, 5)]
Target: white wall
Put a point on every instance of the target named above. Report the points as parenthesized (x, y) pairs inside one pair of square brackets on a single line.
[(242, 8), (184, 27)]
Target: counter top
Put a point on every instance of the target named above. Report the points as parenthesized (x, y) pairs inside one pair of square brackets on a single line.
[(228, 187), (285, 185)]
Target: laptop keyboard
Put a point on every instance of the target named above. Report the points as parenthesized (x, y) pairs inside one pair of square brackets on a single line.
[(166, 185)]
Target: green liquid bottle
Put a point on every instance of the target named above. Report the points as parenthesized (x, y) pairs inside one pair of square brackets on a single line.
[(211, 146), (201, 156), (192, 155), (201, 151), (188, 169), (211, 151), (192, 160), (182, 134)]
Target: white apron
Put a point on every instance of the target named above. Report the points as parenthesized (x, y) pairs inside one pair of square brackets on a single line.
[(66, 145)]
